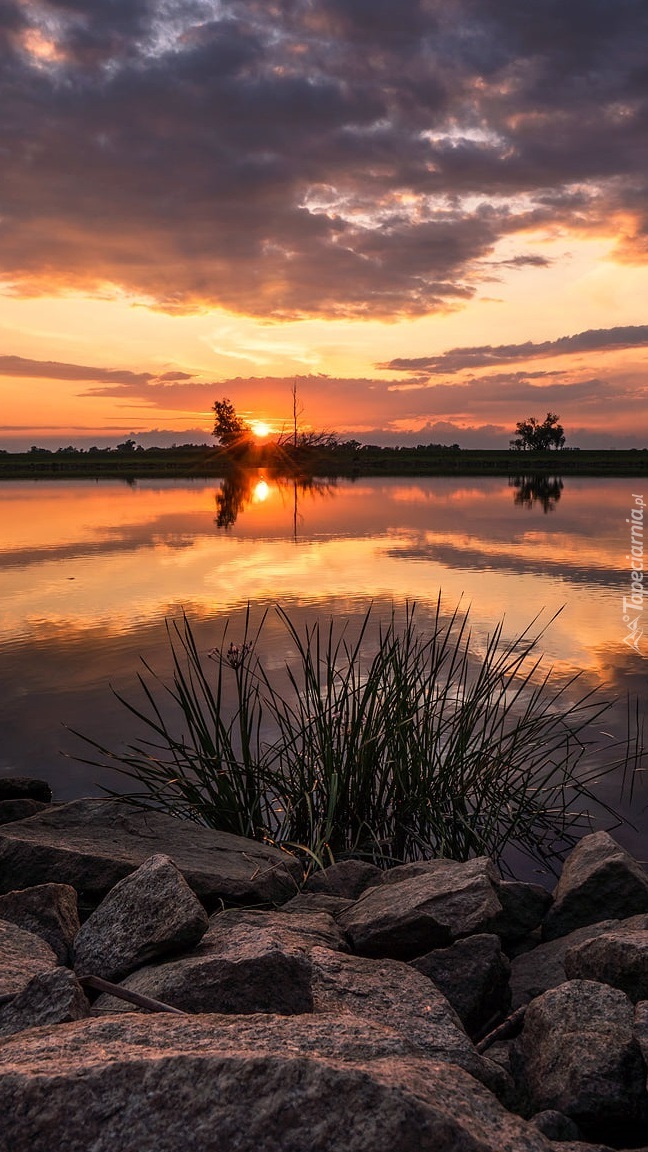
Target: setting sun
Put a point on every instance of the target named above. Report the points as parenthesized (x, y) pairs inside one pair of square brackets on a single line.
[(260, 429)]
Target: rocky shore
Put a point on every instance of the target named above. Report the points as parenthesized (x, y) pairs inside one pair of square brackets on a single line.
[(167, 987)]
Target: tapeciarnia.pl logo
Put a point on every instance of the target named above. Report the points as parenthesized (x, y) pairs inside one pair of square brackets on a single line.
[(633, 604)]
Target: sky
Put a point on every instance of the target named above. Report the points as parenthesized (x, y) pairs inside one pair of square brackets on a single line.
[(432, 215)]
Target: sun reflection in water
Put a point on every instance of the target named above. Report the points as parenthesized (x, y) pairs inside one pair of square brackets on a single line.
[(261, 491)]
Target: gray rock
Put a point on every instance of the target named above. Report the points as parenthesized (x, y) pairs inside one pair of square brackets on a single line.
[(304, 930), (24, 788), (239, 967), (599, 881), (402, 872), (556, 1126), (49, 911), (534, 972), (167, 1084), (393, 994), (93, 844), (619, 958), (22, 955), (473, 975), (429, 909), (11, 810), (317, 902), (577, 1055), (346, 878), (149, 914), (641, 1028), (53, 997), (524, 907)]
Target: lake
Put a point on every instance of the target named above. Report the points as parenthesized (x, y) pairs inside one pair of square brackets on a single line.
[(90, 571)]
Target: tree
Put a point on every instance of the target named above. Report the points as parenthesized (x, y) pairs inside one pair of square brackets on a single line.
[(229, 429), (534, 436)]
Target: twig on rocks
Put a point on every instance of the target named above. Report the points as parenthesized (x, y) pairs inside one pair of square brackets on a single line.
[(101, 985), (510, 1027)]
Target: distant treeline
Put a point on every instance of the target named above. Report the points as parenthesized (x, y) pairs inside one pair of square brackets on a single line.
[(342, 458)]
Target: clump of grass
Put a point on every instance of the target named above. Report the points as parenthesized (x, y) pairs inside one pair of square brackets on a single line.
[(425, 748)]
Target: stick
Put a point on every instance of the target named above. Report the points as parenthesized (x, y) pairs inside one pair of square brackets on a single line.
[(511, 1026), (101, 985)]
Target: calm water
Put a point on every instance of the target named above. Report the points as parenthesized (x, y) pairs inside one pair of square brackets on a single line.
[(90, 570)]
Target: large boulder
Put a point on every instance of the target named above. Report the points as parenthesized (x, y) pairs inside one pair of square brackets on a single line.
[(543, 967), (430, 908), (599, 881), (49, 911), (345, 878), (577, 1055), (247, 962), (473, 975), (524, 907), (261, 1084), (149, 914), (317, 902), (22, 955), (619, 958), (93, 844), (22, 809), (52, 997), (392, 993), (297, 929), (24, 788)]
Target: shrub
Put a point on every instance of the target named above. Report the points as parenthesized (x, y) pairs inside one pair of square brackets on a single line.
[(425, 748)]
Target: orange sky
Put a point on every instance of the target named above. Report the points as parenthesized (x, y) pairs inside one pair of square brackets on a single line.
[(433, 216)]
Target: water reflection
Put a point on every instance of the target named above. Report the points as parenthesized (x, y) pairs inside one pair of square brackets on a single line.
[(244, 487), (89, 572), (537, 489)]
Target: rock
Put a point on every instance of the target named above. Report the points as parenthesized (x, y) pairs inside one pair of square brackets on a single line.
[(11, 810), (641, 1028), (24, 788), (429, 909), (93, 844), (556, 1126), (261, 1084), (22, 955), (577, 1055), (473, 975), (317, 902), (304, 930), (393, 994), (240, 966), (524, 907), (534, 972), (49, 911), (618, 958), (149, 914), (347, 878), (599, 881), (53, 997)]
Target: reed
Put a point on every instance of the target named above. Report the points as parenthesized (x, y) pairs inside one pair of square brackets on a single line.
[(427, 747)]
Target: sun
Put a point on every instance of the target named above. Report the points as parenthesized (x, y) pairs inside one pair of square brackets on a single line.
[(260, 429)]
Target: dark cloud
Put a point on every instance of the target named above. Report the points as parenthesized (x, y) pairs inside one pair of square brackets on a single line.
[(55, 370), (486, 355), (332, 157)]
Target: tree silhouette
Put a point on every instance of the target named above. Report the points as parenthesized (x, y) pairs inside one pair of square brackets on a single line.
[(229, 429), (536, 436), (545, 490)]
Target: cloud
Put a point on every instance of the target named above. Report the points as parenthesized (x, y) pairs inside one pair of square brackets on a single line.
[(332, 158), (486, 355), (57, 370)]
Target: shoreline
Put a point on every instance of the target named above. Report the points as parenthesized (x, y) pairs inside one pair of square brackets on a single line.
[(200, 463)]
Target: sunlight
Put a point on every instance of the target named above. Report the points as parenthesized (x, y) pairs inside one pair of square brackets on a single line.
[(261, 492), (260, 429)]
